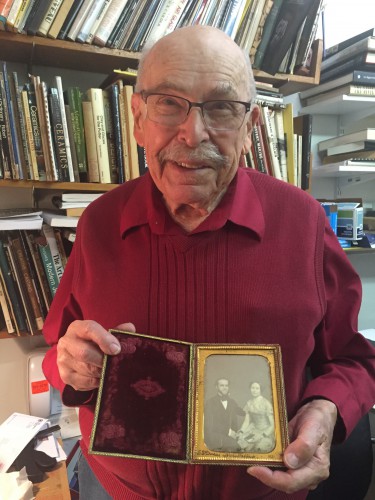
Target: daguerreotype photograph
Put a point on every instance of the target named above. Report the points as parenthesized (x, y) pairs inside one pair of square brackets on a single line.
[(192, 403)]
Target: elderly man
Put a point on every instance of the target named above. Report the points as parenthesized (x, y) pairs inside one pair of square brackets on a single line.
[(201, 250)]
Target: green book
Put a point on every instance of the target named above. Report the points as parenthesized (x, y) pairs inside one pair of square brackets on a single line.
[(73, 98)]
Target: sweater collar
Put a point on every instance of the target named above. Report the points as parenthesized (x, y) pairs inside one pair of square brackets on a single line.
[(240, 205)]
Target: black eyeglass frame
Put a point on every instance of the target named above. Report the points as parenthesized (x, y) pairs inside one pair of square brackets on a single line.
[(145, 95)]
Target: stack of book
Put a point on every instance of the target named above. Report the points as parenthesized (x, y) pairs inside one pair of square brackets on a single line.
[(32, 263), (72, 137), (353, 151), (278, 34), (355, 53)]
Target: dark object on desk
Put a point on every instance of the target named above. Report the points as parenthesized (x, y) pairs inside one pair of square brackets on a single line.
[(351, 467), (36, 462)]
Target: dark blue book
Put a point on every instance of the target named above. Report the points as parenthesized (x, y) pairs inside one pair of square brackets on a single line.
[(69, 19)]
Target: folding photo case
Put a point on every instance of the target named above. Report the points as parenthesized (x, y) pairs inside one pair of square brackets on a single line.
[(161, 399)]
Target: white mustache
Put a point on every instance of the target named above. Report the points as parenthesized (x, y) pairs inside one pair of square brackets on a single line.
[(205, 154)]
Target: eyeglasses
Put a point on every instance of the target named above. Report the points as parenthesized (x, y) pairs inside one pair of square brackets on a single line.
[(170, 110)]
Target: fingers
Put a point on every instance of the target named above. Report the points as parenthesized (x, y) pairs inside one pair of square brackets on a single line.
[(127, 327), (80, 353)]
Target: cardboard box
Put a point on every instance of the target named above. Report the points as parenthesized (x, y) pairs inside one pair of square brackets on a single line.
[(349, 220)]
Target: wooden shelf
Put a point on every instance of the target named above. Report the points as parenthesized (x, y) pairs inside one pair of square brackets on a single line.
[(35, 50), (64, 186), (5, 335)]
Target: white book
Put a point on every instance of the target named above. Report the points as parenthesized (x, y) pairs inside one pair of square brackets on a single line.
[(362, 46), (5, 305), (79, 20), (90, 18), (343, 140), (57, 220), (12, 14), (98, 20), (49, 17), (83, 197), (108, 22), (60, 93), (167, 19), (269, 124), (22, 14), (95, 95), (52, 243)]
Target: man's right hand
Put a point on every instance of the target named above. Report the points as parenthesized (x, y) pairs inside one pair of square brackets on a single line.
[(81, 350)]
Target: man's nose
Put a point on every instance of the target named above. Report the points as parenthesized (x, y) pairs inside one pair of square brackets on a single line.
[(193, 130)]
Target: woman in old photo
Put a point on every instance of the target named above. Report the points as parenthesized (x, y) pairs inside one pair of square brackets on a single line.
[(257, 433)]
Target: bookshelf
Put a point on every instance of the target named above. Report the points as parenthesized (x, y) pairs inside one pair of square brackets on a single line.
[(40, 52)]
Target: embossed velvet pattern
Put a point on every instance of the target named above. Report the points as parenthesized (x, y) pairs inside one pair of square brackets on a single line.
[(144, 403)]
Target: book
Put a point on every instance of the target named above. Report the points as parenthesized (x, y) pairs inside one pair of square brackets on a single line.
[(21, 128), (89, 20), (269, 123), (132, 143), (354, 77), (308, 34), (79, 19), (357, 155), (22, 15), (5, 306), (116, 114), (28, 281), (145, 25), (31, 93), (59, 19), (345, 139), (99, 18), (60, 93), (350, 147), (124, 132), (31, 15), (80, 197), (121, 28), (50, 147), (58, 220), (95, 95), (130, 29), (58, 135), (74, 212), (255, 27), (110, 132), (44, 250), (72, 143), (49, 234), (73, 97), (291, 15), (12, 288), (303, 127), (289, 137), (36, 20), (365, 62), (49, 17), (349, 90), (90, 142), (360, 47), (34, 172), (281, 142), (7, 153), (5, 7), (334, 49), (69, 19), (21, 218), (9, 109), (12, 14), (108, 22)]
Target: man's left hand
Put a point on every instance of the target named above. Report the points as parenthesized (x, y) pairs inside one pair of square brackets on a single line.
[(308, 455)]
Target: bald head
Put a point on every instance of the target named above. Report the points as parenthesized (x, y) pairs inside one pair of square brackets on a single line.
[(196, 47)]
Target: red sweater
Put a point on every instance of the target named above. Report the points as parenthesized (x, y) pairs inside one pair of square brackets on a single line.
[(263, 268)]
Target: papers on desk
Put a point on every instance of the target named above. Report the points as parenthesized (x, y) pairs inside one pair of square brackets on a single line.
[(15, 433), (64, 416)]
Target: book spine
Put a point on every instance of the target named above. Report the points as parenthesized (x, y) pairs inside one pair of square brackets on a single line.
[(58, 135), (134, 166), (69, 20), (12, 15), (28, 280), (96, 97), (124, 134), (8, 130), (38, 17), (259, 150), (99, 18), (49, 17), (114, 96), (281, 143), (72, 143), (48, 131), (73, 97), (36, 130), (79, 20), (91, 152), (30, 321), (90, 18), (108, 23), (22, 15), (30, 136), (334, 49), (5, 306), (110, 131), (48, 265), (289, 133), (272, 141), (60, 94), (256, 39), (11, 286), (20, 120), (59, 19), (52, 243)]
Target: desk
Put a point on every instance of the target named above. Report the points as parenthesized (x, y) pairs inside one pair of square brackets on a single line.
[(55, 486)]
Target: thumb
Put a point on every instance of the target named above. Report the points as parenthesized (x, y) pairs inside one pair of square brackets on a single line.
[(298, 453), (128, 327), (114, 346)]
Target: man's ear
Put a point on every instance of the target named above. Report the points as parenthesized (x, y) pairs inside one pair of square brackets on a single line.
[(253, 118), (138, 114)]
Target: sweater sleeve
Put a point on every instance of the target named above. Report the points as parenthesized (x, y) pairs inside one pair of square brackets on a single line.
[(342, 356)]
